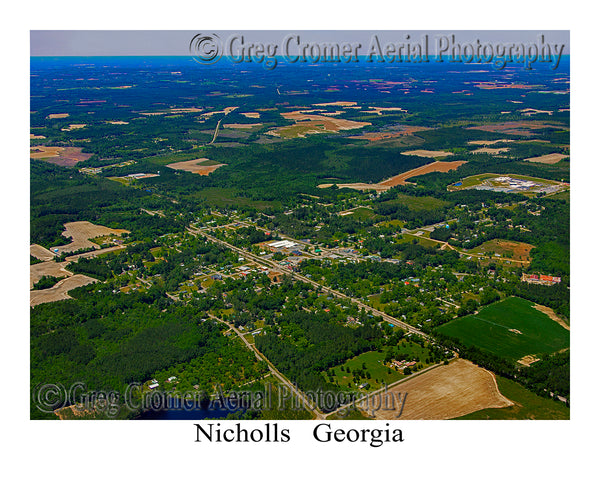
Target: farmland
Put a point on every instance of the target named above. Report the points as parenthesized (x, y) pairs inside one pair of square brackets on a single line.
[(60, 290), (448, 391), (80, 234), (202, 278), (511, 329), (201, 166)]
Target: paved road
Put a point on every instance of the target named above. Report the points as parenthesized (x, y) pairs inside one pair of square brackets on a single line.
[(308, 403)]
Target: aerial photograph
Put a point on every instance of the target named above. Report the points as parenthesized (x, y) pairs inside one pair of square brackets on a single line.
[(299, 225)]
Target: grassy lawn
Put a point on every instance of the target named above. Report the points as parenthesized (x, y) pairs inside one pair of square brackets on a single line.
[(421, 239), (528, 405), (374, 364), (511, 329)]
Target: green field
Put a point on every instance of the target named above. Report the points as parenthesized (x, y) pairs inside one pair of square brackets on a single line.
[(491, 330), (417, 203), (529, 406), (374, 363)]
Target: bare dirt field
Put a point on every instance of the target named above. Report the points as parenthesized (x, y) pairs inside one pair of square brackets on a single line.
[(504, 248), (446, 392), (41, 151), (427, 153), (33, 136), (335, 104), (59, 291), (316, 123), (515, 128), (117, 122), (491, 151), (379, 110), (40, 252), (57, 115), (549, 159), (49, 269), (81, 232), (195, 166), (528, 360), (74, 126), (488, 142), (430, 167), (242, 125), (401, 178), (94, 253), (357, 186), (376, 136), (62, 156), (250, 114)]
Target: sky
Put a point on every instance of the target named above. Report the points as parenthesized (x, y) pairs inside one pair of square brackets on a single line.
[(176, 42)]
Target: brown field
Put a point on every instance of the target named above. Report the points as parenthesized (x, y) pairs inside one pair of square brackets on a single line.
[(335, 104), (62, 156), (333, 124), (47, 269), (415, 172), (488, 142), (185, 110), (41, 151), (251, 114), (528, 360), (59, 291), (357, 186), (401, 178), (379, 110), (308, 124), (225, 111), (33, 136), (81, 232), (118, 122), (492, 151), (57, 115), (40, 252), (74, 126), (195, 166), (513, 250), (449, 391), (242, 125), (94, 253), (532, 111), (427, 153), (515, 128), (549, 159), (497, 86), (376, 136)]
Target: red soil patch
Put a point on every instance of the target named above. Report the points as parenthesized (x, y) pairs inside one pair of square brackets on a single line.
[(430, 167), (515, 128), (195, 166), (62, 156)]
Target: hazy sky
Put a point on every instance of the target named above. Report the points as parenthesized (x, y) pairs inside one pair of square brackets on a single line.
[(176, 42)]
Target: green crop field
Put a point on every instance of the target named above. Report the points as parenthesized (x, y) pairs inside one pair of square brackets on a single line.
[(511, 329), (528, 405)]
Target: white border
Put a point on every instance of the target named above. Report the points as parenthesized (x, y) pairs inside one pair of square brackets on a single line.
[(431, 449)]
